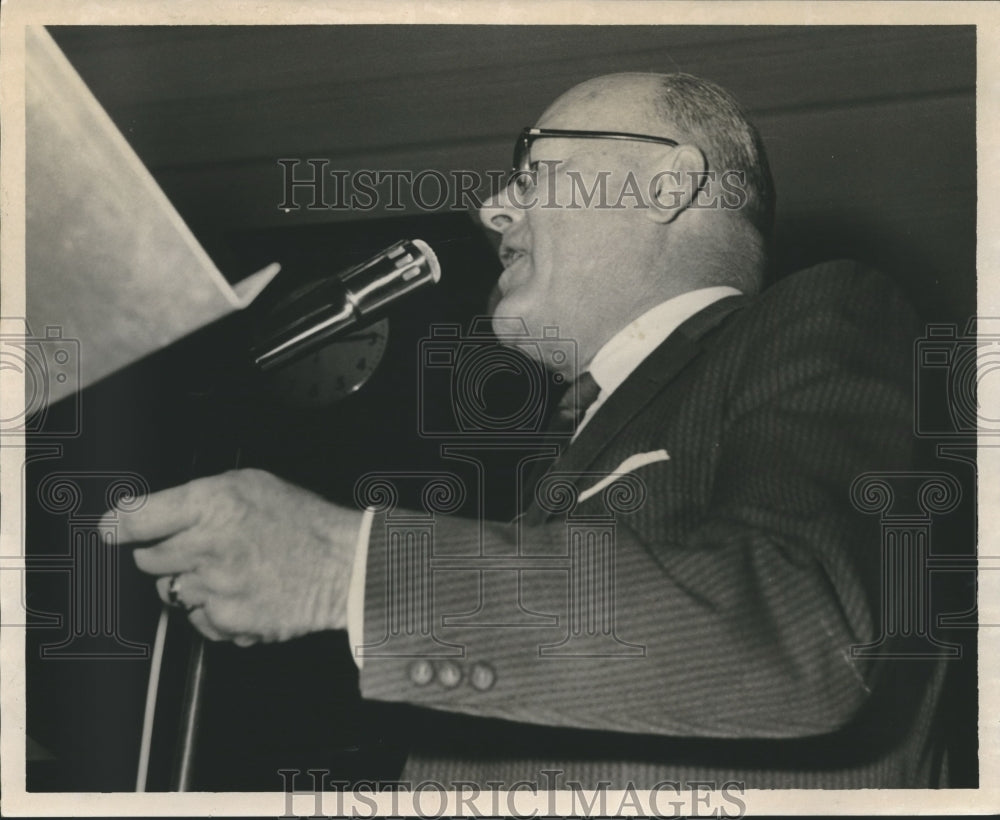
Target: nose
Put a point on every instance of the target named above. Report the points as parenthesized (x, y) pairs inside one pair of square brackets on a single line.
[(499, 213)]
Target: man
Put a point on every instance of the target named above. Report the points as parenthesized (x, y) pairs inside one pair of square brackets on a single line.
[(742, 575)]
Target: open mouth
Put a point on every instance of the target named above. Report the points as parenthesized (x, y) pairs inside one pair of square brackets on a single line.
[(508, 256), (513, 275)]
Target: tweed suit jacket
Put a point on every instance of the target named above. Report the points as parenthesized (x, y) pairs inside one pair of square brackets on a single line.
[(710, 636)]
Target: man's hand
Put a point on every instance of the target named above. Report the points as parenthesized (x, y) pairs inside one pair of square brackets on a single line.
[(255, 558)]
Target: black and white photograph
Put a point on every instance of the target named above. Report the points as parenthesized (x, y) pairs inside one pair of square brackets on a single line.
[(430, 410)]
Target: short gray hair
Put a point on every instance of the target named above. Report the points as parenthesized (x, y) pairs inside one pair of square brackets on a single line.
[(712, 118)]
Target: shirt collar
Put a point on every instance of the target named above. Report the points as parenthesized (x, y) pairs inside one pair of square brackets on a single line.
[(624, 351)]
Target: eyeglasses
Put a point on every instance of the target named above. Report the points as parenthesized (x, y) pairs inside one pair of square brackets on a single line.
[(521, 169)]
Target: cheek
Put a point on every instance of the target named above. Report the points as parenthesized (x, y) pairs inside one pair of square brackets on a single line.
[(554, 240), (571, 251), (575, 250)]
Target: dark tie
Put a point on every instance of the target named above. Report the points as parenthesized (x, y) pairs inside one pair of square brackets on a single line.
[(564, 420), (573, 405)]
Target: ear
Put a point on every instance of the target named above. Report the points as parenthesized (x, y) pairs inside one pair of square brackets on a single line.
[(674, 182)]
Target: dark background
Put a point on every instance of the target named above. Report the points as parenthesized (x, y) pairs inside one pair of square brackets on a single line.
[(871, 138)]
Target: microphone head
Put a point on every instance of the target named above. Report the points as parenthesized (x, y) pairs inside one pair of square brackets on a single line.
[(323, 310), (398, 270)]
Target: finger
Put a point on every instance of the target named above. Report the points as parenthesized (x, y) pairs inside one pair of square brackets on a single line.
[(189, 550), (190, 593), (196, 553), (220, 581), (162, 514), (199, 620), (170, 557), (204, 621), (163, 588)]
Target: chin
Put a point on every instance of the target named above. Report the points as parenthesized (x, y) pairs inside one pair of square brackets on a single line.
[(512, 315)]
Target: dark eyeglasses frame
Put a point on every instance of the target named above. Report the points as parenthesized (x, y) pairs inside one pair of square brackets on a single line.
[(522, 148)]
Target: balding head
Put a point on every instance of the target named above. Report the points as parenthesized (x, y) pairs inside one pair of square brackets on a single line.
[(600, 227), (684, 108), (614, 102)]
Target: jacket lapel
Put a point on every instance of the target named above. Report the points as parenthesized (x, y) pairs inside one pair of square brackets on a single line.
[(654, 373)]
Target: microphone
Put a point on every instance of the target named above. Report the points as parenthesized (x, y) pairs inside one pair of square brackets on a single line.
[(338, 304)]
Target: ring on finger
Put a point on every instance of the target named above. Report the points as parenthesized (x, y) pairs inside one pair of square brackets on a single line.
[(174, 591), (174, 595)]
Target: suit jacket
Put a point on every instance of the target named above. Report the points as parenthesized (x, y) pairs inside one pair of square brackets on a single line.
[(695, 619)]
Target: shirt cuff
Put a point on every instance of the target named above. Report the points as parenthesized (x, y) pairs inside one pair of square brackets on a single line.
[(356, 589)]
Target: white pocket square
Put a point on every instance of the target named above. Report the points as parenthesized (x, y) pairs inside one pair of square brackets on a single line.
[(627, 466)]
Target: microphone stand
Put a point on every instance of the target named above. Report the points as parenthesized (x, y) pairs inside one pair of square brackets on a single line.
[(310, 317), (214, 452), (190, 716)]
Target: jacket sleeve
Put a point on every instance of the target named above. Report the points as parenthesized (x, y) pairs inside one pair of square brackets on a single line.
[(738, 622)]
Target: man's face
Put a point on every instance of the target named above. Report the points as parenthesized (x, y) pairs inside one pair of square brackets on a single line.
[(559, 257), (569, 264)]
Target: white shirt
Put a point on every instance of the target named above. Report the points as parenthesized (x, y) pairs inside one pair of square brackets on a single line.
[(611, 365), (625, 351)]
